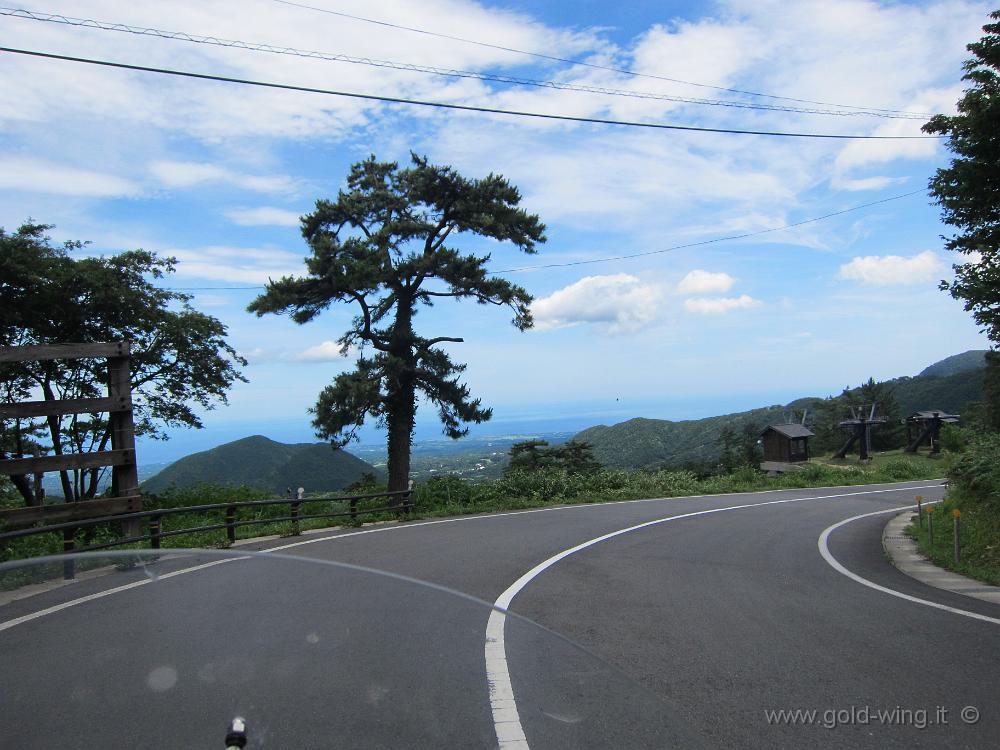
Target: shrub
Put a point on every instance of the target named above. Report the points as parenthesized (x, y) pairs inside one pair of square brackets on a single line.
[(977, 471)]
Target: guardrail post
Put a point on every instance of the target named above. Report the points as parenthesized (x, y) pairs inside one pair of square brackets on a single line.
[(354, 508), (69, 566), (295, 518), (930, 526), (920, 514), (231, 523), (154, 532)]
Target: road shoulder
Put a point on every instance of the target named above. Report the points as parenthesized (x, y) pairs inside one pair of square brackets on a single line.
[(903, 553)]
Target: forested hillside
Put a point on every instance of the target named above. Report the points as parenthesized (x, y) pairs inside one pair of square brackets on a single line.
[(265, 464), (656, 443)]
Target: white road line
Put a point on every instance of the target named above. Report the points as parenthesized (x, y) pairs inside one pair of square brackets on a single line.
[(99, 595), (824, 550), (506, 720)]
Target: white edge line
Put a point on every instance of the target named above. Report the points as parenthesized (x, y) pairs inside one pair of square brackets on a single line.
[(101, 594), (824, 550), (506, 720), (91, 597)]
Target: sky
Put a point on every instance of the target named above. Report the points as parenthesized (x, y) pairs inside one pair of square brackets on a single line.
[(218, 174)]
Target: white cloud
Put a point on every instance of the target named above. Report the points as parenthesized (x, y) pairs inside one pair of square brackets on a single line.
[(327, 351), (264, 216), (35, 175), (247, 265), (886, 270), (182, 174), (705, 282), (616, 303), (720, 305), (865, 183)]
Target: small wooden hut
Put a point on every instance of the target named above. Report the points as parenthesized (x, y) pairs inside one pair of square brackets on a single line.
[(786, 443)]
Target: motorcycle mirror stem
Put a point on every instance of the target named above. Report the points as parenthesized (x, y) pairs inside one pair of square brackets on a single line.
[(236, 736)]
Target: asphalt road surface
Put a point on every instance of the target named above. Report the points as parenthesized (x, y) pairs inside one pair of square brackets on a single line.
[(723, 609)]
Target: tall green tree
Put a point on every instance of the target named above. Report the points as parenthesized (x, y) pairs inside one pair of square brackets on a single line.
[(180, 358), (381, 247), (968, 191)]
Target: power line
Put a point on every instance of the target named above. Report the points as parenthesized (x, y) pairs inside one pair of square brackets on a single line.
[(429, 69), (459, 107), (714, 240), (638, 255), (624, 71)]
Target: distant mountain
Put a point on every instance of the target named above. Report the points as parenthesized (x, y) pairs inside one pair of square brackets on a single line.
[(653, 443), (263, 463), (974, 359)]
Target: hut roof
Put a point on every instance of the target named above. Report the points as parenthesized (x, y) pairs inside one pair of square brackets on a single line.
[(793, 430), (931, 413)]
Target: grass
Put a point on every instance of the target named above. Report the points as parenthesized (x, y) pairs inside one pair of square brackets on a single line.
[(445, 496), (979, 537)]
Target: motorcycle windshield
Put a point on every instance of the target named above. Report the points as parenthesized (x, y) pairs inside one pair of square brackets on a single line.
[(163, 650)]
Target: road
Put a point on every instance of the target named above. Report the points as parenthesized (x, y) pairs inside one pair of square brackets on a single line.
[(723, 608)]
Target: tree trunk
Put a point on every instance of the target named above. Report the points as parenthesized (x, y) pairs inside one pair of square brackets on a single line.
[(401, 400), (400, 420)]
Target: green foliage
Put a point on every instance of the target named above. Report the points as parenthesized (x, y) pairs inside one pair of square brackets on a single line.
[(573, 457), (991, 392), (976, 472), (264, 464), (974, 359), (740, 448), (180, 358), (979, 536), (967, 189), (381, 246)]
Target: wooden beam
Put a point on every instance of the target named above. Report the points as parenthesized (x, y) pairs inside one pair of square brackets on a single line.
[(61, 512), (68, 461), (63, 351), (65, 406)]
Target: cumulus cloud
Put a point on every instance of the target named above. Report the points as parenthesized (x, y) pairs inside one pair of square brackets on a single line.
[(705, 282), (720, 305), (264, 216), (886, 270), (615, 303), (327, 351), (183, 174), (249, 265)]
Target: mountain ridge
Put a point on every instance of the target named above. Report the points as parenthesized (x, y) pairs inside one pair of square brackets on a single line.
[(644, 443), (257, 461)]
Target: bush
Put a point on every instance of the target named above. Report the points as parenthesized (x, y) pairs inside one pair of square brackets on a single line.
[(977, 471)]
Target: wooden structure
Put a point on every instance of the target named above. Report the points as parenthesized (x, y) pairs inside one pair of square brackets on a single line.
[(925, 426), (121, 457), (860, 428), (786, 443)]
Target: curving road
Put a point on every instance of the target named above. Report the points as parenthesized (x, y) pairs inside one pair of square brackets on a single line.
[(726, 608)]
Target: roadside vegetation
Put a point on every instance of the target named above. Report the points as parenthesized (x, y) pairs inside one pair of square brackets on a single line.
[(975, 492)]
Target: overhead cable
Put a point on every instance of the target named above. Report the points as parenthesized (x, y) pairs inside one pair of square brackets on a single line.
[(712, 241), (583, 63), (456, 107), (612, 258), (433, 70)]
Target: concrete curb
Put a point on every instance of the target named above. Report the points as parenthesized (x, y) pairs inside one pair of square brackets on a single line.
[(903, 553)]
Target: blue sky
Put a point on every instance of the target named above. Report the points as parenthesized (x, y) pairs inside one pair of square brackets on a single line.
[(217, 175)]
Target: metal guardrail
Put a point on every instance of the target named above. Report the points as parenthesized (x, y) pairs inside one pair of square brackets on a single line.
[(155, 533)]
